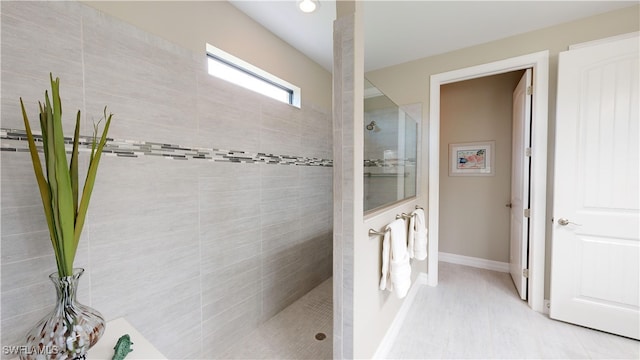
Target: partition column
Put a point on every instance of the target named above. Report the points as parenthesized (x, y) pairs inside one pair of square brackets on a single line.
[(348, 95)]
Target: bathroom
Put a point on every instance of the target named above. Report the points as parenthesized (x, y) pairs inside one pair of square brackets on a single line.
[(192, 252), (196, 251)]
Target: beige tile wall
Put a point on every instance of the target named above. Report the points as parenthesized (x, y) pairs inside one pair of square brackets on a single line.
[(193, 253)]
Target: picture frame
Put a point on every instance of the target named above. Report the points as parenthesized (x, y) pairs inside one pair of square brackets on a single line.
[(472, 159)]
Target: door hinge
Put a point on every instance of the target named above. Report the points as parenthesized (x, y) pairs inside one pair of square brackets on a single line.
[(527, 151), (527, 213), (525, 273), (529, 90)]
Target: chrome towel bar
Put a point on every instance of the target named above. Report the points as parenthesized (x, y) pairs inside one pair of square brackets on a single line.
[(378, 233), (405, 216)]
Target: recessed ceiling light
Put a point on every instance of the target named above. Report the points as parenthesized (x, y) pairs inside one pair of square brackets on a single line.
[(308, 6)]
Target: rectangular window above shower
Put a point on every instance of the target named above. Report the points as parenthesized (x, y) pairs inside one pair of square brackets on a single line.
[(232, 69), (390, 150)]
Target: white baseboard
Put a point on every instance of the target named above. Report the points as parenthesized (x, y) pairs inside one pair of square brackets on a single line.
[(392, 333), (474, 262)]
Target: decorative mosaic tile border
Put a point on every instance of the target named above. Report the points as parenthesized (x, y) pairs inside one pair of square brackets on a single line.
[(387, 163), (132, 148)]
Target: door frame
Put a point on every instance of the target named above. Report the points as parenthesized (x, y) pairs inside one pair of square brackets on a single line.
[(539, 61)]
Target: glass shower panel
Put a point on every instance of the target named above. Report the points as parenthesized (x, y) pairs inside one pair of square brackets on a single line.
[(390, 151)]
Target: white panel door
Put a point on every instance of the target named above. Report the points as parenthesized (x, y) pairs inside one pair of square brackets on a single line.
[(519, 224), (595, 273)]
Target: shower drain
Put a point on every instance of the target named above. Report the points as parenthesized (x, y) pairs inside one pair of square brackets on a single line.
[(320, 336)]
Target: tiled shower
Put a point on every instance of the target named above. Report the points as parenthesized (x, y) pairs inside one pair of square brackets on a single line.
[(211, 213)]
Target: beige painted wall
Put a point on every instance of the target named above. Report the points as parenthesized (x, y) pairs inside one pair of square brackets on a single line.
[(473, 219), (409, 82), (192, 24)]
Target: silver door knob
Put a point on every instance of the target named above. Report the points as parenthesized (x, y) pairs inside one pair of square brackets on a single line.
[(565, 222)]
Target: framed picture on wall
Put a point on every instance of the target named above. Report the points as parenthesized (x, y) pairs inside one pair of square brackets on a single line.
[(472, 159)]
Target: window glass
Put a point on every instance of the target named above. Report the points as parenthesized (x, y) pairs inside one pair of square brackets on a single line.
[(239, 72)]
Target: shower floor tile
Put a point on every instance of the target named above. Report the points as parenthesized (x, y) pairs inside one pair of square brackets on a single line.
[(291, 334)]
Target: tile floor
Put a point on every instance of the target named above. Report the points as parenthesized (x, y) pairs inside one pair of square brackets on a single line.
[(291, 333), (476, 314), (471, 314)]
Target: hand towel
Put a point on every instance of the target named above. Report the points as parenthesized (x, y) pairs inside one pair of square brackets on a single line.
[(396, 269), (420, 242), (411, 236), (385, 283)]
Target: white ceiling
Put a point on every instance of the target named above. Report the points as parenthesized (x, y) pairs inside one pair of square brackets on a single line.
[(401, 31)]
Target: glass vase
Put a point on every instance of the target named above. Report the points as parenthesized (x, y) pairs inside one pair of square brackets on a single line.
[(70, 330)]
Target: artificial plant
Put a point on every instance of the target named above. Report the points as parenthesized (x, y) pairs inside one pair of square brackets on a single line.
[(64, 210)]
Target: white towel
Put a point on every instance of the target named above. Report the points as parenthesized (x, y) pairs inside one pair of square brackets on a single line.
[(396, 269), (419, 245), (411, 236)]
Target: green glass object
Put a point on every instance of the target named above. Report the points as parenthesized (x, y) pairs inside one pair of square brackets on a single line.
[(122, 348)]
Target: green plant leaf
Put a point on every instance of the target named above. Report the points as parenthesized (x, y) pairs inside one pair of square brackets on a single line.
[(59, 187), (43, 128), (53, 183), (91, 177), (63, 193), (45, 193), (93, 142), (73, 168)]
